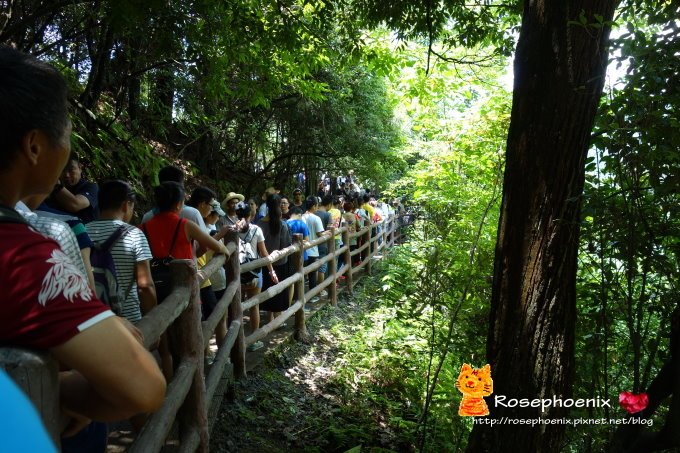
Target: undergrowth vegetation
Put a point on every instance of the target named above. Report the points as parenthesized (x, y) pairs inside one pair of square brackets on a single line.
[(381, 369)]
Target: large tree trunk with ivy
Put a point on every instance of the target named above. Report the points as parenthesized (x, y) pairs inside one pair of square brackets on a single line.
[(560, 64)]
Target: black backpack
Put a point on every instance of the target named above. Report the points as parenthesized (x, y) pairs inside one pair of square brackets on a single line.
[(160, 268), (104, 270)]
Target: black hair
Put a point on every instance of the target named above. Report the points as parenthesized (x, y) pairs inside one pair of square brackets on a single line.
[(199, 195), (167, 194), (242, 210), (295, 210), (337, 201), (310, 202), (366, 198), (33, 95), (326, 200), (171, 173), (274, 213), (114, 193)]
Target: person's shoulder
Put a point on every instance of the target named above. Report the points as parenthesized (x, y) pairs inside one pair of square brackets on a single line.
[(190, 211), (148, 215), (85, 187), (132, 233), (254, 228), (90, 185), (99, 227), (16, 234), (193, 214), (24, 248), (51, 225)]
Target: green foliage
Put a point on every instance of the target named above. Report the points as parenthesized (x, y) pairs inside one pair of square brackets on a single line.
[(218, 84), (438, 285), (629, 259), (455, 23)]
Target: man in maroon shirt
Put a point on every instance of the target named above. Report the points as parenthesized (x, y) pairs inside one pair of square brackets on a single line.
[(45, 302)]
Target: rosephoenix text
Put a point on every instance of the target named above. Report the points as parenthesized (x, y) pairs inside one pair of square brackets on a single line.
[(545, 403)]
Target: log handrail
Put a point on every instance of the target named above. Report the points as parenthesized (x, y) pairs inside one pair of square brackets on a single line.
[(190, 392)]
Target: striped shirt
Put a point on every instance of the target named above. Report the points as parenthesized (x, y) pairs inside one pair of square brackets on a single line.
[(127, 251)]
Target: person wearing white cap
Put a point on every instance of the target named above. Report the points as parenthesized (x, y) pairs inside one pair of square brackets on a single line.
[(217, 208), (229, 205)]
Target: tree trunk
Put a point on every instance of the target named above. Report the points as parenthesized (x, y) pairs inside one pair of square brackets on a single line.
[(163, 98), (559, 75), (100, 57)]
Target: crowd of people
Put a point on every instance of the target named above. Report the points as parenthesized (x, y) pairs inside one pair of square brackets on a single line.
[(78, 274)]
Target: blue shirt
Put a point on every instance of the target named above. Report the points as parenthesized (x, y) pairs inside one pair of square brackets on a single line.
[(21, 428), (299, 226)]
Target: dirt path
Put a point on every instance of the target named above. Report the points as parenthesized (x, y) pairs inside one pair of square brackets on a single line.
[(291, 401)]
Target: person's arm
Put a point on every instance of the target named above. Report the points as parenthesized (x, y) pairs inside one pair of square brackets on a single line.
[(69, 202), (114, 377), (262, 251), (145, 286), (85, 253), (195, 232), (227, 228), (192, 215)]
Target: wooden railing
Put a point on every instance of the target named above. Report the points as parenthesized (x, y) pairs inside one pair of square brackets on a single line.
[(193, 393)]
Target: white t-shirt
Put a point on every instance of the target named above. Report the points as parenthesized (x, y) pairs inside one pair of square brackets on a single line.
[(126, 252), (315, 228)]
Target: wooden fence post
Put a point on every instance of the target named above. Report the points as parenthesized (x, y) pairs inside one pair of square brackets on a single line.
[(348, 260), (36, 374), (235, 312), (299, 289), (332, 264), (187, 338)]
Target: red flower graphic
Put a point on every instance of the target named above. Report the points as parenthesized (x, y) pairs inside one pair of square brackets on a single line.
[(633, 402)]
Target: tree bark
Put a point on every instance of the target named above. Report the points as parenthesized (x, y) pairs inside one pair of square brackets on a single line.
[(559, 75), (100, 57)]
